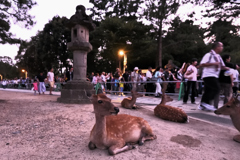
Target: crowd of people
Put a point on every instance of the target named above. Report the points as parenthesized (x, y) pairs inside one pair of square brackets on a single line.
[(219, 75)]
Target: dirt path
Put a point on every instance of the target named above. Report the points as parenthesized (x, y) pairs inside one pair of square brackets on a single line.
[(37, 127)]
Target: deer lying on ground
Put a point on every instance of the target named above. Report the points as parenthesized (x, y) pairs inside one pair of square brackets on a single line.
[(169, 113), (232, 108), (129, 102), (117, 133)]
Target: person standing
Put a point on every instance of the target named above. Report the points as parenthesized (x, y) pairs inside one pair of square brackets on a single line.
[(126, 78), (235, 82), (158, 74), (191, 83), (4, 84), (134, 78), (212, 63), (149, 86), (41, 84), (226, 81), (109, 80), (116, 76), (69, 74), (103, 76), (91, 77), (50, 77)]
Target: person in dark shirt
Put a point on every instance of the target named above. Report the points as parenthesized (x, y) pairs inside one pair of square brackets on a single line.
[(91, 77), (69, 74), (41, 86), (126, 78), (225, 81), (116, 76)]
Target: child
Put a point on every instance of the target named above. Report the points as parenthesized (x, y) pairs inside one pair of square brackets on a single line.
[(121, 87), (35, 86)]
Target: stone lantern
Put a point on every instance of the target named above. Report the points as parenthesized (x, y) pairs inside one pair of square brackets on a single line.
[(79, 89)]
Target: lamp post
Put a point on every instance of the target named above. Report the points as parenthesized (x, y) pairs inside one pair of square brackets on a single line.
[(24, 71), (122, 53)]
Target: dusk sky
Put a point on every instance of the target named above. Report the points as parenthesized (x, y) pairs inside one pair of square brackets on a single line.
[(46, 10)]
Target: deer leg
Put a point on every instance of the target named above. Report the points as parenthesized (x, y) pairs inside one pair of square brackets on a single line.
[(237, 138), (91, 146), (146, 138), (115, 149), (135, 106)]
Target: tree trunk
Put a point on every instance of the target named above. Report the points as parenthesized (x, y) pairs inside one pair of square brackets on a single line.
[(160, 45)]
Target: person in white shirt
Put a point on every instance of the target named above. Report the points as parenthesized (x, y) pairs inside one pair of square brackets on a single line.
[(50, 77), (134, 78), (191, 83), (103, 79), (212, 63), (94, 79), (158, 74), (149, 86), (4, 84), (235, 82)]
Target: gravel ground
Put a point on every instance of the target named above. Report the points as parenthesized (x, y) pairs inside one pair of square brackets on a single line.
[(38, 127)]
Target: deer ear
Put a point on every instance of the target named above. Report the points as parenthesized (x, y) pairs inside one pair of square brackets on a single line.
[(93, 97)]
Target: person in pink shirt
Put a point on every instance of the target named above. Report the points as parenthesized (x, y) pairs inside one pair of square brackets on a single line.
[(35, 87)]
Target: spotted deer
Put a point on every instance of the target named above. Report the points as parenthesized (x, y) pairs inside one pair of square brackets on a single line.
[(232, 108), (129, 102), (167, 112), (116, 132)]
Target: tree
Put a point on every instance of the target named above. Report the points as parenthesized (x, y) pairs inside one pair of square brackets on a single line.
[(157, 12), (7, 69), (47, 49), (17, 11), (183, 42), (224, 9), (223, 31), (114, 34), (126, 9)]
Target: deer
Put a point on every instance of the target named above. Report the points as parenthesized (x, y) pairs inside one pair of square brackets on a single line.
[(116, 132), (232, 108), (129, 102), (167, 112)]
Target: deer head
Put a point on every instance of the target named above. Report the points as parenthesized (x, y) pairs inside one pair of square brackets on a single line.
[(103, 105), (165, 99), (230, 108), (136, 94)]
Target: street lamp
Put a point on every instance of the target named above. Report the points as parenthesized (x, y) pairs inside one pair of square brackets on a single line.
[(122, 53), (23, 70)]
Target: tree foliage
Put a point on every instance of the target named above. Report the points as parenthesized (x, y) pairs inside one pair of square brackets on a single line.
[(183, 42), (15, 11), (7, 69), (116, 34), (47, 49), (158, 12), (115, 8), (227, 9)]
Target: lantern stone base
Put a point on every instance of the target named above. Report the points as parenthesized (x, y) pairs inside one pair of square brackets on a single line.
[(76, 92)]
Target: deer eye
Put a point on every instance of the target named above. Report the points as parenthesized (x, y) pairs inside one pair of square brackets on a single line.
[(100, 101), (228, 106)]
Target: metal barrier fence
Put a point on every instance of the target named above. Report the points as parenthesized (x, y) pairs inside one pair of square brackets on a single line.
[(29, 86), (173, 87)]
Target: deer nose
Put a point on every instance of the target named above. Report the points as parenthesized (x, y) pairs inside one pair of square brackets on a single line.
[(116, 109)]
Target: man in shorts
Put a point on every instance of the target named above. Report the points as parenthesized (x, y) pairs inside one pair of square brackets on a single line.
[(50, 77)]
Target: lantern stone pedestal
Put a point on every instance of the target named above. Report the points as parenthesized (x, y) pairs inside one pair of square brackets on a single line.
[(79, 89)]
